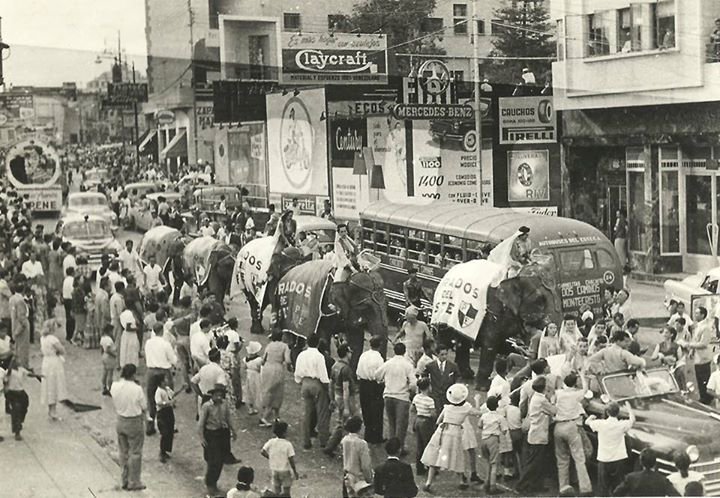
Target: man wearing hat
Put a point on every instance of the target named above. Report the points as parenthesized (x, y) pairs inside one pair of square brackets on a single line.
[(413, 290), (216, 431), (521, 248)]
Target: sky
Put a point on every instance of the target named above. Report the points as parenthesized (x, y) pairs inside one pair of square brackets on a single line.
[(53, 41)]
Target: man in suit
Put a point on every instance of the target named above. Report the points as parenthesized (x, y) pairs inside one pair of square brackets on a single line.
[(443, 373), (394, 478), (646, 482), (20, 324)]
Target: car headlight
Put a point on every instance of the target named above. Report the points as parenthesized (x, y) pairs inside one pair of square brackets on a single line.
[(693, 452)]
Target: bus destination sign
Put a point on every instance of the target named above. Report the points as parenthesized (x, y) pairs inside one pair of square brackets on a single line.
[(433, 111)]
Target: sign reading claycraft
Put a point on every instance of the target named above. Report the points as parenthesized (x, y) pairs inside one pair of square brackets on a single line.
[(347, 137), (340, 59), (528, 175), (527, 120)]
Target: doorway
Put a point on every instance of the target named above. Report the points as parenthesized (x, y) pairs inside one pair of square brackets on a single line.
[(702, 203)]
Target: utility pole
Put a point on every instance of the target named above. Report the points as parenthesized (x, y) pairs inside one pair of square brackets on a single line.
[(3, 46), (192, 80), (135, 113), (476, 92)]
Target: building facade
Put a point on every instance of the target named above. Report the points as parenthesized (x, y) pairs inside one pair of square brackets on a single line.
[(638, 87)]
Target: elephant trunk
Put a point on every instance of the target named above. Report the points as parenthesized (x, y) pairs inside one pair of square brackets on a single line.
[(485, 368)]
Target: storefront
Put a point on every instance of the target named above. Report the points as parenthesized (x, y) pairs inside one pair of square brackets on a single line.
[(659, 165)]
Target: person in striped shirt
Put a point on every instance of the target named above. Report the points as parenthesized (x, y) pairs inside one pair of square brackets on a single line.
[(425, 417)]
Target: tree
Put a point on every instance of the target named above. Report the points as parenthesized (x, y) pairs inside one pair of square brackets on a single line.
[(521, 29), (406, 24)]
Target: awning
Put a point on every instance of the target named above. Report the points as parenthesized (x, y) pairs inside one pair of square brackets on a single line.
[(176, 148), (148, 141)]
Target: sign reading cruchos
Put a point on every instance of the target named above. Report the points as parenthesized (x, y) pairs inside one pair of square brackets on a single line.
[(338, 59)]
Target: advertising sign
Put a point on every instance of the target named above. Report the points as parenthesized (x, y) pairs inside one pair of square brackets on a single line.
[(240, 101), (33, 163), (306, 204), (128, 92), (541, 210), (460, 299), (204, 114), (17, 106), (297, 143), (433, 111), (347, 137), (341, 58), (527, 120), (528, 175), (43, 199)]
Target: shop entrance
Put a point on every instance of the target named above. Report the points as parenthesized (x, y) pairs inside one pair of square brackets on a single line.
[(702, 213)]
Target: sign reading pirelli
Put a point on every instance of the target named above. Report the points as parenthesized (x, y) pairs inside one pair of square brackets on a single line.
[(527, 120)]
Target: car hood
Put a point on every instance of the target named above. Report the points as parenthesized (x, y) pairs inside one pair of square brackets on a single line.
[(90, 209), (670, 423), (93, 244)]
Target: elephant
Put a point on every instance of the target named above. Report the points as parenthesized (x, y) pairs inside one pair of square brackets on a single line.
[(207, 261), (352, 308)]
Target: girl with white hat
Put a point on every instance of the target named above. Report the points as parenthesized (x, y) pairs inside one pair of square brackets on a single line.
[(447, 449), (252, 364)]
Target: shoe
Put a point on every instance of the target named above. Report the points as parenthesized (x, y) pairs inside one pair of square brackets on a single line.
[(188, 389), (175, 431), (476, 478), (18, 437), (307, 446), (463, 485), (2, 439), (567, 491), (426, 487), (139, 487), (329, 453), (214, 491), (150, 432), (106, 392), (232, 460), (264, 423), (164, 457), (252, 412)]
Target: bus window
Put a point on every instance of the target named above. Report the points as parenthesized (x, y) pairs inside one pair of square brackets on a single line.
[(398, 241), (576, 259), (605, 259), (380, 238), (453, 250), (476, 250), (417, 250), (368, 239), (436, 255)]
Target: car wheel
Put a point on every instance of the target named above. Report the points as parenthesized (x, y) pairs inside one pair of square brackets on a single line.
[(470, 141)]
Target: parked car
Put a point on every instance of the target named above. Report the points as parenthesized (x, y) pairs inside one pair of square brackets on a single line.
[(208, 198), (195, 178), (700, 283), (140, 218), (667, 420), (91, 234), (145, 187), (322, 228), (95, 177), (94, 203)]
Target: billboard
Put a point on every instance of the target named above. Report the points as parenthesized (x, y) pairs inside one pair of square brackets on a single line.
[(527, 120), (528, 175), (297, 143), (33, 167), (16, 107), (339, 58)]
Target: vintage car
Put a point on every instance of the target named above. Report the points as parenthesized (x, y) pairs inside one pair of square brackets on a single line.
[(94, 203), (208, 198), (95, 177), (144, 187), (91, 234), (456, 130), (140, 218), (667, 420), (700, 283), (321, 228), (195, 178)]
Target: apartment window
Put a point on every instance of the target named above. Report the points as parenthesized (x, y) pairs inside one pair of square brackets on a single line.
[(338, 23), (665, 24), (599, 28), (497, 26), (213, 14), (460, 13), (291, 22), (561, 40), (431, 25), (480, 27), (458, 76)]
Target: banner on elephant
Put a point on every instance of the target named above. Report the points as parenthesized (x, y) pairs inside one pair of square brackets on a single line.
[(460, 299), (251, 267), (300, 297)]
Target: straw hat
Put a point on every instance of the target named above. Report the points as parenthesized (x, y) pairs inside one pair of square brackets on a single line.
[(253, 347), (457, 393)]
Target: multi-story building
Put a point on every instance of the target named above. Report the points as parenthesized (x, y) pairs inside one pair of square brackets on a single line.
[(191, 44), (638, 84)]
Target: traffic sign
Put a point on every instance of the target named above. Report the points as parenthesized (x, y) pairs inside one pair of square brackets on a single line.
[(433, 111), (165, 117)]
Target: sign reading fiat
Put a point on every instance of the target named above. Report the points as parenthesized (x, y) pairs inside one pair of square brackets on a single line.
[(339, 58)]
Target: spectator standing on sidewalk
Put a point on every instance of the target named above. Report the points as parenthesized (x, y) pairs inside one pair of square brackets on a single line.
[(344, 389), (130, 405), (371, 391), (20, 322), (109, 359), (160, 358), (16, 398), (425, 418), (398, 375), (281, 457), (312, 375), (164, 401), (612, 452), (216, 431)]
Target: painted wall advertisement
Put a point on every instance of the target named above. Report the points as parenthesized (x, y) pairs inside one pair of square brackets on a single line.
[(527, 120), (528, 175), (33, 167), (297, 143), (340, 58)]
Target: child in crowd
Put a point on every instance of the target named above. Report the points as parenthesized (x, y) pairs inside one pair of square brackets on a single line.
[(165, 402), (16, 398), (394, 478), (427, 357), (243, 488), (492, 428), (357, 465), (511, 459), (150, 319), (252, 364), (425, 417), (109, 358), (281, 456)]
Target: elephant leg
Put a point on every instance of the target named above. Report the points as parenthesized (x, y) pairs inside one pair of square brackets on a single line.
[(255, 314), (356, 341), (487, 362), (462, 358)]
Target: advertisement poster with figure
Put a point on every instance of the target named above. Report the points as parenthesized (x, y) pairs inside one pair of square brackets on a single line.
[(348, 141), (528, 175), (297, 143), (386, 138), (33, 167)]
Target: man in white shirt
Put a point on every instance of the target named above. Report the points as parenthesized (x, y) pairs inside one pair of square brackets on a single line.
[(69, 260), (67, 291), (129, 402), (130, 260), (207, 377), (113, 275), (611, 452), (398, 374), (154, 279), (32, 268), (371, 390), (160, 359), (312, 375), (200, 344), (207, 230)]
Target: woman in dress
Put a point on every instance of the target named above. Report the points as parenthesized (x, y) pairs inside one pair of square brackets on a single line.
[(52, 389), (92, 332), (446, 449), (549, 342), (55, 268), (569, 334), (251, 364), (272, 379), (227, 363)]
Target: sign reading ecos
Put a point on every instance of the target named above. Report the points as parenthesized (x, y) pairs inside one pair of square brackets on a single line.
[(527, 120), (339, 59)]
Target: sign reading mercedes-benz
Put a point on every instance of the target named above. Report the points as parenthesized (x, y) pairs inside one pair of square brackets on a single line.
[(433, 111), (340, 58)]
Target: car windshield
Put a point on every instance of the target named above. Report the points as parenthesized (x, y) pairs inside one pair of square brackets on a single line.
[(94, 229), (639, 384), (87, 201)]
